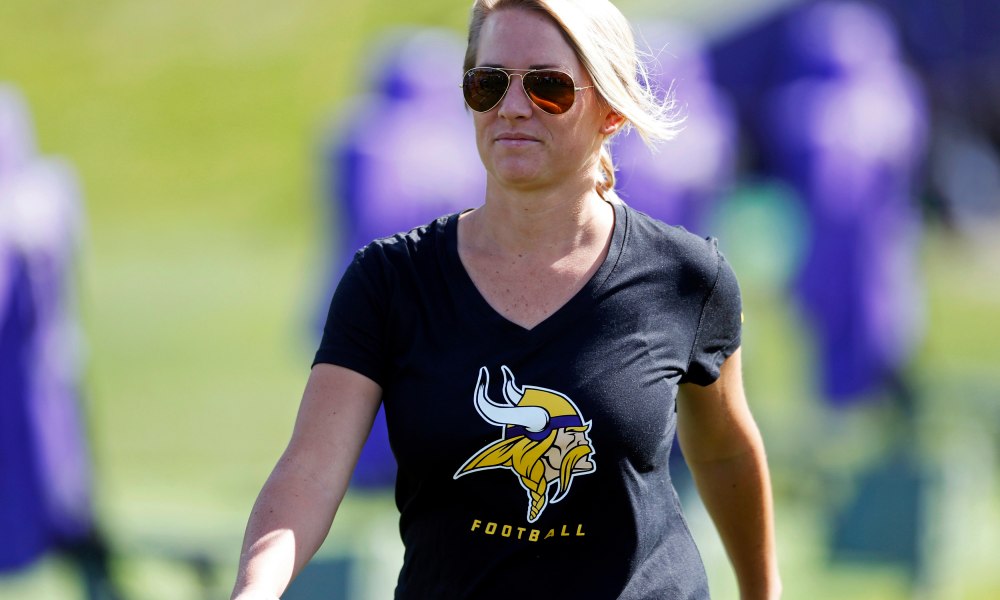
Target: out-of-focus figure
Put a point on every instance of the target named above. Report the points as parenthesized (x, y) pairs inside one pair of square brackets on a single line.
[(45, 473), (849, 133), (682, 181), (399, 157), (830, 108)]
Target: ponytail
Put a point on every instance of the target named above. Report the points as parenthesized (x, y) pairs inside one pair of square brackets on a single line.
[(606, 175)]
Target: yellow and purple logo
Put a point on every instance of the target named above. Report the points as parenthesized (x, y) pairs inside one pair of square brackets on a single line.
[(544, 440)]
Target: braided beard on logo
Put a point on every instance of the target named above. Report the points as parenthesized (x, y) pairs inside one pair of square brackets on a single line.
[(537, 488)]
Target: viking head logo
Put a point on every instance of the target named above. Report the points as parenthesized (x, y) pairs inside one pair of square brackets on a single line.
[(544, 442)]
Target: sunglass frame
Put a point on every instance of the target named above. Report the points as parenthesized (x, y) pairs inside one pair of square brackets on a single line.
[(522, 73)]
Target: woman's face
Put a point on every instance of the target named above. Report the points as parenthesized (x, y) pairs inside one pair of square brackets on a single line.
[(522, 146)]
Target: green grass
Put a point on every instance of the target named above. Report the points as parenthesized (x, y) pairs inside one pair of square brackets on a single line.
[(194, 128)]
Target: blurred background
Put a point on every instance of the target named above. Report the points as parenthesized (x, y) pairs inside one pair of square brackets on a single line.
[(181, 183)]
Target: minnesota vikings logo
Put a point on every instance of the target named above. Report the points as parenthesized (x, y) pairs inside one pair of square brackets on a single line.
[(545, 441)]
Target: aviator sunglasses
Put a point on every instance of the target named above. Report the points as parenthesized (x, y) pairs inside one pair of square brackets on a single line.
[(550, 90)]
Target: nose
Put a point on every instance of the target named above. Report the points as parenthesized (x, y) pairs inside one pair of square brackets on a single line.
[(515, 103)]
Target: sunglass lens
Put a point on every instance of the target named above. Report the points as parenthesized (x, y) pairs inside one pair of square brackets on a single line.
[(484, 88), (552, 91)]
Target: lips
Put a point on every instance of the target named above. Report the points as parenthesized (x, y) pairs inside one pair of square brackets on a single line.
[(516, 139)]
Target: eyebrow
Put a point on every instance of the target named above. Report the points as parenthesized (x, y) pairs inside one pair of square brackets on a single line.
[(530, 67)]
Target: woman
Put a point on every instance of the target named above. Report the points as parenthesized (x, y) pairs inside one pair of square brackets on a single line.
[(529, 354)]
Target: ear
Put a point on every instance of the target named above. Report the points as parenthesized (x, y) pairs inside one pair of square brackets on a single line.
[(613, 121)]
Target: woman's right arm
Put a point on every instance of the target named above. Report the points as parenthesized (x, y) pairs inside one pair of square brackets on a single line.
[(296, 506)]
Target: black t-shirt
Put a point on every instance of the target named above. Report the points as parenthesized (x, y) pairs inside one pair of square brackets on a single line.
[(534, 463)]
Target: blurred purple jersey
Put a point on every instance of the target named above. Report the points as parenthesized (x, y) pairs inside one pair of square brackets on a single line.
[(44, 466), (849, 133)]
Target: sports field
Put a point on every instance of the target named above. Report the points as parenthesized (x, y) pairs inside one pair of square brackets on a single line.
[(194, 128)]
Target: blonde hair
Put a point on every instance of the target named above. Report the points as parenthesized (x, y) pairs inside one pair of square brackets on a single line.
[(602, 39)]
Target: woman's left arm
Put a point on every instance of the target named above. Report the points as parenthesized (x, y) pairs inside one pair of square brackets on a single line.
[(724, 450)]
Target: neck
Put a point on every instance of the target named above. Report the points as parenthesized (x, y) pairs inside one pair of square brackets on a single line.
[(539, 222)]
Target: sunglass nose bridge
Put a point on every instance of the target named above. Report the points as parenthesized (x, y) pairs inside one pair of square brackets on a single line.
[(524, 88)]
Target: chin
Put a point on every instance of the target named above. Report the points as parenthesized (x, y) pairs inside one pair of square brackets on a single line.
[(521, 173)]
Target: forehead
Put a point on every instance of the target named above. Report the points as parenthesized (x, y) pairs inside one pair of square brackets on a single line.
[(520, 39)]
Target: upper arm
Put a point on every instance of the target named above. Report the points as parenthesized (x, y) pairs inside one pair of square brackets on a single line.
[(334, 419), (714, 421)]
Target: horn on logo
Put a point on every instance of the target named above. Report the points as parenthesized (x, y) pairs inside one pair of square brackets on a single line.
[(532, 418), (511, 393)]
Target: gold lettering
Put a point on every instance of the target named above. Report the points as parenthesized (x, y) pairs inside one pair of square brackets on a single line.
[(533, 535)]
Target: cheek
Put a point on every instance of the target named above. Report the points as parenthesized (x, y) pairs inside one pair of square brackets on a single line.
[(484, 123), (590, 122), (480, 123), (581, 132)]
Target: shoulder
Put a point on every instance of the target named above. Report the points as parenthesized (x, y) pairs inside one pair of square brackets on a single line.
[(676, 249), (406, 249)]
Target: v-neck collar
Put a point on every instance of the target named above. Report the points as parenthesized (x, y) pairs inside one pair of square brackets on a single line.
[(471, 298)]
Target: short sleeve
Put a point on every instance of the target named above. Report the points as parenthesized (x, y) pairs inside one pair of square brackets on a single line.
[(719, 327), (354, 336)]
